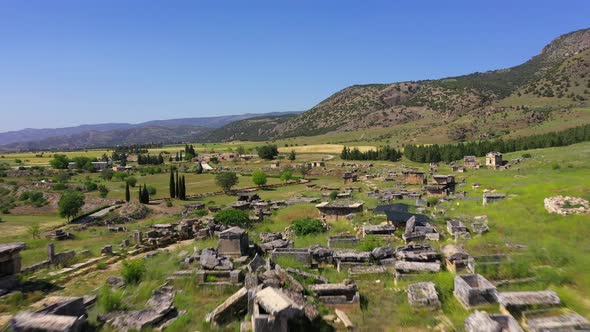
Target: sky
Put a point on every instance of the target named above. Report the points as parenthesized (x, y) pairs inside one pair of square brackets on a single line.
[(66, 63)]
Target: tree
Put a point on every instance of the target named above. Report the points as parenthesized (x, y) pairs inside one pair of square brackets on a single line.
[(286, 176), (292, 155), (182, 189), (226, 180), (59, 161), (259, 178), (233, 217), (103, 190), (267, 151), (131, 181), (127, 193), (199, 169), (304, 169), (172, 185), (70, 204), (177, 185), (107, 174)]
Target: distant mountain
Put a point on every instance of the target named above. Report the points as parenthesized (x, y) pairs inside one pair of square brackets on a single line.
[(110, 134)]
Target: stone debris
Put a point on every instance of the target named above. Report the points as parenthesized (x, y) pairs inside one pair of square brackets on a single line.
[(343, 317), (382, 252), (564, 322), (423, 294), (159, 305), (115, 282), (234, 306), (403, 268), (481, 321), (210, 260), (68, 314), (416, 252), (566, 205), (519, 301), (418, 231)]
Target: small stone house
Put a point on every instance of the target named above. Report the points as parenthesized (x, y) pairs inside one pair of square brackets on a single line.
[(492, 197), (414, 177), (233, 242), (494, 159), (470, 162), (349, 177)]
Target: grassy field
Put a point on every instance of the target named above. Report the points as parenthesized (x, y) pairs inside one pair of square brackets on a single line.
[(554, 249)]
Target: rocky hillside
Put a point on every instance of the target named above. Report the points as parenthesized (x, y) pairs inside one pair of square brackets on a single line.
[(557, 77)]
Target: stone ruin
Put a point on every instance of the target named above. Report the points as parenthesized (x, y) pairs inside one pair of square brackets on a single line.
[(456, 259), (385, 230), (233, 242), (349, 257), (481, 321), (159, 310), (566, 205), (68, 314), (474, 290), (423, 294), (343, 240), (10, 265), (345, 293), (418, 231), (555, 320), (516, 302), (270, 241), (457, 229)]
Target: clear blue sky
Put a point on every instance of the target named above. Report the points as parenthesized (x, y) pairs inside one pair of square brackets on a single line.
[(66, 63)]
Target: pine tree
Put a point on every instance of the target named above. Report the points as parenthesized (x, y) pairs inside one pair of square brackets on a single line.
[(172, 185), (127, 193)]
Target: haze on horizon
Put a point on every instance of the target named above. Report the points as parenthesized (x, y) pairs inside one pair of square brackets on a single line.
[(66, 63)]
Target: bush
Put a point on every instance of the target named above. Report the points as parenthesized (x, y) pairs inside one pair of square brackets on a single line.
[(432, 201), (133, 271), (103, 190), (307, 226), (132, 181), (169, 203), (60, 186), (233, 217), (200, 213), (333, 195), (555, 166), (526, 155), (91, 186), (101, 265), (109, 300), (151, 190)]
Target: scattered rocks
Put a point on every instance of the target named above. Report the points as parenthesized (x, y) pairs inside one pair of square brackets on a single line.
[(566, 205)]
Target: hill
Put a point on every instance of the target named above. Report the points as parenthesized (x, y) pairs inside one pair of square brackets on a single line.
[(555, 80)]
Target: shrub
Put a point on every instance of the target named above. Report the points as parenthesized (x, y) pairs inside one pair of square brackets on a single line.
[(91, 186), (101, 265), (169, 203), (555, 166), (103, 190), (307, 226), (133, 271), (526, 155), (35, 231), (60, 186), (334, 195), (432, 201), (151, 190), (132, 181), (200, 212), (109, 300), (233, 217)]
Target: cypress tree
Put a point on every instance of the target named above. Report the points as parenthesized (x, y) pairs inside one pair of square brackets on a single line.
[(177, 184), (172, 185), (146, 195), (140, 194), (183, 188), (127, 193)]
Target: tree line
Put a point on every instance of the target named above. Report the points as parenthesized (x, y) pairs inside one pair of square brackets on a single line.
[(450, 152), (383, 153), (149, 159)]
